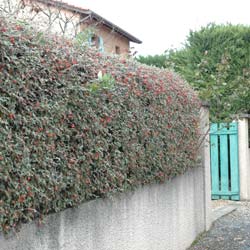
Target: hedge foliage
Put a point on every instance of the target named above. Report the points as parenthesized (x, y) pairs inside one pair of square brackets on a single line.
[(68, 136)]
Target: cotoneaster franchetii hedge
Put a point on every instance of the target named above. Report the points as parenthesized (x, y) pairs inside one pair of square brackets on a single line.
[(68, 136)]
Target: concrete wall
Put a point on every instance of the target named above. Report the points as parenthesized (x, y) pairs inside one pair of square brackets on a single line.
[(156, 217), (244, 157)]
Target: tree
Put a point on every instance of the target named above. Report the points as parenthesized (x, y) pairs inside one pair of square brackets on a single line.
[(156, 60), (216, 61)]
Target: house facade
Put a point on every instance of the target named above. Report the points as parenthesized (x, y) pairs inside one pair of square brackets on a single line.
[(67, 20)]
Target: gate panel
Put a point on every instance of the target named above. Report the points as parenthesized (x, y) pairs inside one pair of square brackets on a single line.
[(224, 161), (234, 162), (224, 168), (214, 160)]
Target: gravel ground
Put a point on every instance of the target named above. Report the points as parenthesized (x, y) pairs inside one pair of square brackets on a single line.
[(230, 232)]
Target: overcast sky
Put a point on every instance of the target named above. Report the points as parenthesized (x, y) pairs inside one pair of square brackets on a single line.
[(163, 24)]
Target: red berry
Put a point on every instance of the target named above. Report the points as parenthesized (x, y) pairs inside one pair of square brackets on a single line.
[(12, 40), (11, 116)]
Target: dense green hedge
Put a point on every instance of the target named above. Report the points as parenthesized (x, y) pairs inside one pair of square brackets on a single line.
[(68, 136), (215, 60)]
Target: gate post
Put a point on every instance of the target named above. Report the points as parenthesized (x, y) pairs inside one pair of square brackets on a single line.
[(244, 157), (205, 153)]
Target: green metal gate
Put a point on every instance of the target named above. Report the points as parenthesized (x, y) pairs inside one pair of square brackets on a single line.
[(224, 161)]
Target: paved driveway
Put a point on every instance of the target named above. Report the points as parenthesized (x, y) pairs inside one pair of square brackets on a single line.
[(230, 232)]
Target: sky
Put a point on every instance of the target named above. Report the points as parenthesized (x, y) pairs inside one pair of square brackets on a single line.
[(165, 24)]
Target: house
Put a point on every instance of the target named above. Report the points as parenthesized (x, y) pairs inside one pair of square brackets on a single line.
[(68, 20)]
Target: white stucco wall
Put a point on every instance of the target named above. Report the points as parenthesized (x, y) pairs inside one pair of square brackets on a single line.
[(45, 18), (244, 158), (205, 157), (165, 216)]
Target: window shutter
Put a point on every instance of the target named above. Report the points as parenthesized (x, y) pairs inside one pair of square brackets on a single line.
[(90, 40), (101, 44)]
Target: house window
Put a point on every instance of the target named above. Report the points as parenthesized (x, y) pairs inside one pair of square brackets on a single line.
[(94, 41), (97, 42), (117, 50)]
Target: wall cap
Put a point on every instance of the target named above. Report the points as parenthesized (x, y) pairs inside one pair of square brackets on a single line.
[(240, 116), (205, 104), (244, 116)]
